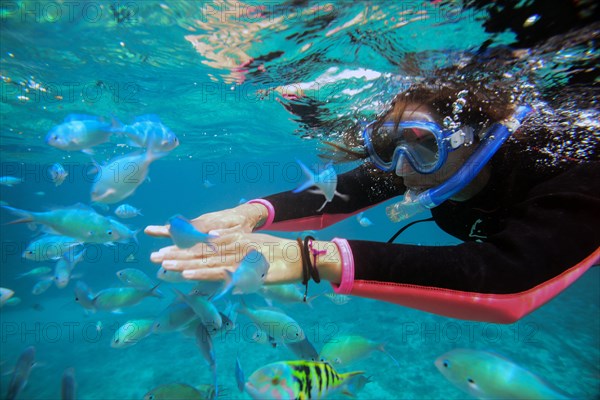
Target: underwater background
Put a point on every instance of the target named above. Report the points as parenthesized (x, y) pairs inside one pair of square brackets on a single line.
[(248, 88)]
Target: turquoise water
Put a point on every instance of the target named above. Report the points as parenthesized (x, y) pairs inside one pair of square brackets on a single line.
[(181, 62)]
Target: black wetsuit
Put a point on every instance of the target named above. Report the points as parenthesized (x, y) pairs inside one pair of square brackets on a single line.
[(526, 226)]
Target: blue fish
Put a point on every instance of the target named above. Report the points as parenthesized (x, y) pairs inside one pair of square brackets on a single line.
[(184, 234), (149, 132), (249, 275), (81, 132)]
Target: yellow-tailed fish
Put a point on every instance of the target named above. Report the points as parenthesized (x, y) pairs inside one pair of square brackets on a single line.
[(486, 375), (113, 299), (346, 349), (131, 332), (280, 326), (79, 222), (136, 278), (299, 380), (177, 391)]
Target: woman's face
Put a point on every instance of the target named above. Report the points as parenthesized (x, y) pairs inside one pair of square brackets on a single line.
[(419, 182)]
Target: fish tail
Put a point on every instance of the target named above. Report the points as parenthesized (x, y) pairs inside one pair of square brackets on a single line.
[(226, 289), (310, 178), (26, 216), (135, 233), (381, 348)]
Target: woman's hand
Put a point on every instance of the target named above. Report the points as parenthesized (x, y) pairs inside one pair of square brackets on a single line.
[(243, 218), (211, 261)]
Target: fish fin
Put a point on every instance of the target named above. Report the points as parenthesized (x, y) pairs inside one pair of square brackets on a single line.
[(26, 216), (310, 178), (344, 197), (135, 233), (105, 195)]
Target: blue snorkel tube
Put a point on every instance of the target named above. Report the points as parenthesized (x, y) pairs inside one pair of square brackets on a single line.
[(489, 145)]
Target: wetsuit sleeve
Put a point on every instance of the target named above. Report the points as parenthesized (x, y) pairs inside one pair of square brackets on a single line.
[(361, 188), (550, 239)]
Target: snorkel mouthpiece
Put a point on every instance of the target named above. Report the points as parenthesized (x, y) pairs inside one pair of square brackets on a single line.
[(413, 204)]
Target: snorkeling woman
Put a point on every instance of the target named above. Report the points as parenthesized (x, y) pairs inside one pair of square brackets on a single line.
[(524, 205)]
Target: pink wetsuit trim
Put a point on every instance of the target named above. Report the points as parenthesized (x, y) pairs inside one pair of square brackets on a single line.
[(347, 260), (270, 211), (485, 307)]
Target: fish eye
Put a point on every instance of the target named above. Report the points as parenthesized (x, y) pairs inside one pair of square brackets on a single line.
[(116, 340), (275, 381), (109, 232), (76, 298), (446, 363), (471, 381)]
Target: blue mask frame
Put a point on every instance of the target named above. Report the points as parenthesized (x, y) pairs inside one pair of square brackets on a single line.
[(442, 137)]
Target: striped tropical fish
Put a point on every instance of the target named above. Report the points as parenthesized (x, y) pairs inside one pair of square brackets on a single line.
[(300, 380)]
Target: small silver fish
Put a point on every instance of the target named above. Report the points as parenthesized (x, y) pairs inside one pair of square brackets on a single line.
[(127, 211), (249, 275), (58, 174), (325, 181)]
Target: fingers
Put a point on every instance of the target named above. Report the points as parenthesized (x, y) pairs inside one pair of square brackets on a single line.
[(209, 274), (157, 230), (200, 251)]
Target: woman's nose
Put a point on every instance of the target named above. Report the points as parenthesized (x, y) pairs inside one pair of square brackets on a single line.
[(403, 167)]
